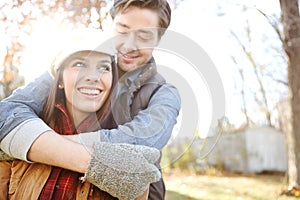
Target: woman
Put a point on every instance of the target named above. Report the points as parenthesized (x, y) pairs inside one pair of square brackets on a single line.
[(78, 101), (84, 77)]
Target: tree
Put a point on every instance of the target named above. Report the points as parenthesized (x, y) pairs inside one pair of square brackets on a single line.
[(242, 91), (263, 103), (261, 75), (291, 44)]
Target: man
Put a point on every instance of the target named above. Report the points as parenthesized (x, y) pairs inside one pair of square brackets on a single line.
[(145, 110)]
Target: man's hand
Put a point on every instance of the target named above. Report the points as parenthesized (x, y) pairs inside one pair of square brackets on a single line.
[(123, 170)]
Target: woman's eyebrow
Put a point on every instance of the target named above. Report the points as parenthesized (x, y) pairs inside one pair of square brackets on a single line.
[(78, 58), (105, 61)]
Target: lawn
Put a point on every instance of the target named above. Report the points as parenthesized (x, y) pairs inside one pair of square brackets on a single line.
[(225, 186)]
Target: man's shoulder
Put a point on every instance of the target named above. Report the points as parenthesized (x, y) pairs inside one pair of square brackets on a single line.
[(157, 78), (169, 90)]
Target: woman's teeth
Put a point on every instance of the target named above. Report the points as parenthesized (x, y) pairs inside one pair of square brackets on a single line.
[(89, 91)]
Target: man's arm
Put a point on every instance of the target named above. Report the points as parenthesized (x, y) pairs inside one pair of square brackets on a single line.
[(24, 105), (152, 126), (19, 115), (53, 149)]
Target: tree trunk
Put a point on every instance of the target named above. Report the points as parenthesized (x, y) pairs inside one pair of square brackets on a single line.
[(291, 44)]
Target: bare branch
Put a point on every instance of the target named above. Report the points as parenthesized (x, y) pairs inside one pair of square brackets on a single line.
[(274, 23)]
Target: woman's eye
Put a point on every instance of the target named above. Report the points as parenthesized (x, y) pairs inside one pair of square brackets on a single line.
[(79, 64), (105, 68)]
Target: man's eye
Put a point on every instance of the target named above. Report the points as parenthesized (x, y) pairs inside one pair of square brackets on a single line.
[(145, 37), (122, 32)]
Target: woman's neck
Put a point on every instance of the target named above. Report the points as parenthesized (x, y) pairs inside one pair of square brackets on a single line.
[(76, 117)]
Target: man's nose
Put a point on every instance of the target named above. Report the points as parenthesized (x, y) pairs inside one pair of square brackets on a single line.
[(129, 42)]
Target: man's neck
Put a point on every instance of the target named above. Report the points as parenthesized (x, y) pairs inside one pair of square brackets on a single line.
[(120, 72)]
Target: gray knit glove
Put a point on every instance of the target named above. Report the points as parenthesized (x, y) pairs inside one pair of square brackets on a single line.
[(4, 156), (123, 170), (89, 139)]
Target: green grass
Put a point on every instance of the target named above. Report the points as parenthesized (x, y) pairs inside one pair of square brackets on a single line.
[(182, 186)]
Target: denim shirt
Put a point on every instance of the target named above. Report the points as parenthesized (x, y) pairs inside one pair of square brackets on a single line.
[(151, 127), (25, 103)]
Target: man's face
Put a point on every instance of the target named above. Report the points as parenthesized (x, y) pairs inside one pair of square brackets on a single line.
[(136, 32)]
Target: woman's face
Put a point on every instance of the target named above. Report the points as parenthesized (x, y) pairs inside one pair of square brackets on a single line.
[(87, 81)]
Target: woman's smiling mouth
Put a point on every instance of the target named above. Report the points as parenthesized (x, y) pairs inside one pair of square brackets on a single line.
[(90, 91)]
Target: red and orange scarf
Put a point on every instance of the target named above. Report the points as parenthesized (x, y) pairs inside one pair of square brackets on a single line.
[(62, 184)]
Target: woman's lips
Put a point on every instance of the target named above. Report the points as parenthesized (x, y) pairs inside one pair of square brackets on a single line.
[(90, 91)]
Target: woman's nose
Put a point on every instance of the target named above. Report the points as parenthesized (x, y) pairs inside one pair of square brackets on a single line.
[(93, 75)]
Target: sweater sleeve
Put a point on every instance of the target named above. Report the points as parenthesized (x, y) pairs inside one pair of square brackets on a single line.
[(18, 142), (25, 103), (150, 127)]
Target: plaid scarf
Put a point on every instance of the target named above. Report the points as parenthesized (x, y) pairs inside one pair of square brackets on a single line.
[(62, 184)]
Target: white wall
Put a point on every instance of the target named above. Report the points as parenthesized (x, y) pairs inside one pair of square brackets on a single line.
[(252, 151)]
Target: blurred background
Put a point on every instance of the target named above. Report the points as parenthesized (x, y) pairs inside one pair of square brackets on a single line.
[(254, 46)]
